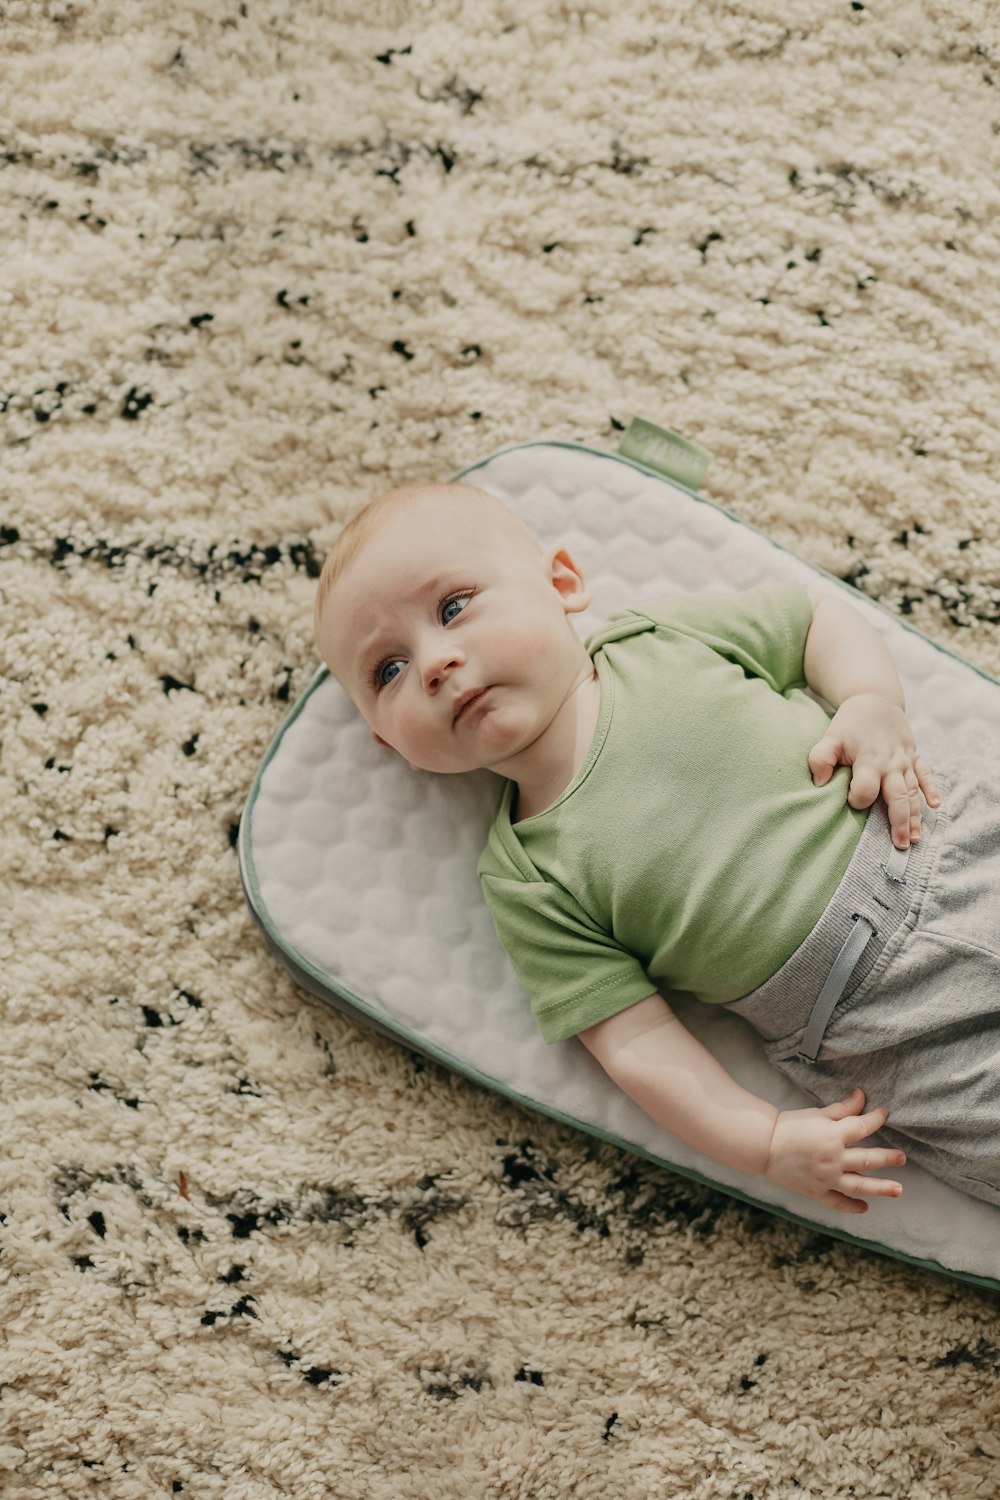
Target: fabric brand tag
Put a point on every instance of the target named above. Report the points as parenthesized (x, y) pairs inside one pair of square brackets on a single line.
[(660, 448)]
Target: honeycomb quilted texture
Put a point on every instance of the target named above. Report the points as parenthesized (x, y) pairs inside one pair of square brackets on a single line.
[(362, 873)]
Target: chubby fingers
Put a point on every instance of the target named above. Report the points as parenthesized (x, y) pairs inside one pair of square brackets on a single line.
[(866, 783), (856, 1127), (846, 1205), (902, 800), (823, 758), (870, 1158), (851, 1205), (901, 790), (928, 785), (854, 1184), (853, 1187), (901, 786), (843, 1107)]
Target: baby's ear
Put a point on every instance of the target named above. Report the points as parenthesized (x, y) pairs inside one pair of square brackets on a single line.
[(567, 580)]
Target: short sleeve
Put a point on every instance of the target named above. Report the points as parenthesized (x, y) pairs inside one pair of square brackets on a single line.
[(574, 972), (762, 629)]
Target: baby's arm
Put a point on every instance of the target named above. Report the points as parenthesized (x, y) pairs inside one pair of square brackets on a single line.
[(653, 1057), (848, 664)]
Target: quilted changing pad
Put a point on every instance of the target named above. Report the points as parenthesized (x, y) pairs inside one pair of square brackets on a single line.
[(362, 873)]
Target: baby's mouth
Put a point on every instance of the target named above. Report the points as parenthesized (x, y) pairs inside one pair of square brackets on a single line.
[(466, 701)]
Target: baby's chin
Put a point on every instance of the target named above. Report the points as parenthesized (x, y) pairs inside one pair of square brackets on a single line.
[(502, 732), (486, 750)]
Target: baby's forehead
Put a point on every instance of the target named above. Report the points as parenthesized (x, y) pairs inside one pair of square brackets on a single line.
[(446, 525), (398, 572)]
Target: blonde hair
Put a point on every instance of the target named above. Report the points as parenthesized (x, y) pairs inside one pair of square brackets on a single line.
[(348, 543)]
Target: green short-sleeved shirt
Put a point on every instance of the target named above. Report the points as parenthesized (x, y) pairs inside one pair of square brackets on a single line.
[(691, 851)]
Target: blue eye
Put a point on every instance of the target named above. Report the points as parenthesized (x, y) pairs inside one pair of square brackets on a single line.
[(459, 601), (388, 671)]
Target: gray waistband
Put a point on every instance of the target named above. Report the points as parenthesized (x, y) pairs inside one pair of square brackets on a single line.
[(881, 886)]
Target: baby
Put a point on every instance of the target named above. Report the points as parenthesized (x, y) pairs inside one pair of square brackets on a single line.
[(677, 812)]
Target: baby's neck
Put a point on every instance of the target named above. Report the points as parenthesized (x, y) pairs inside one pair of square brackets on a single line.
[(567, 741)]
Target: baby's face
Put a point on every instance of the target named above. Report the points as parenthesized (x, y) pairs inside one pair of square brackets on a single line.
[(449, 632)]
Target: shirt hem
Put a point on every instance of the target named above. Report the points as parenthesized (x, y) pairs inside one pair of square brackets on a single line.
[(560, 1028)]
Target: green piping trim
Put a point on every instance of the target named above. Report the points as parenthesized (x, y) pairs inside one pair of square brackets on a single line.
[(320, 984)]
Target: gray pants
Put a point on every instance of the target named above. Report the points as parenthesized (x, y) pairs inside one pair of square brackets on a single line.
[(918, 1024)]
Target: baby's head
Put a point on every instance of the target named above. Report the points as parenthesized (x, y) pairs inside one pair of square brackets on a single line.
[(446, 623)]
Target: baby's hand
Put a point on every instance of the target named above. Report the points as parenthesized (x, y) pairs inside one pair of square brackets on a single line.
[(813, 1152), (873, 736)]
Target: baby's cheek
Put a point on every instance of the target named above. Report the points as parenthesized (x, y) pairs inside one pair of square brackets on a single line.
[(418, 732), (529, 647)]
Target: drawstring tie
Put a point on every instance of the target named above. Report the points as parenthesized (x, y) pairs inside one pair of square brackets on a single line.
[(845, 962)]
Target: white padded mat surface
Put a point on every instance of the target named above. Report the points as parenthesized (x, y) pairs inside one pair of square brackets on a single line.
[(362, 873)]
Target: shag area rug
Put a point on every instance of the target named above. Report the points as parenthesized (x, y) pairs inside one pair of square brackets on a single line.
[(261, 259)]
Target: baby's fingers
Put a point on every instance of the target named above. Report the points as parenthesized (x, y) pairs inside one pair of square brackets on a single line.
[(870, 1158), (903, 806), (856, 1127), (868, 1187), (846, 1205), (928, 785), (849, 1106), (824, 757), (866, 783)]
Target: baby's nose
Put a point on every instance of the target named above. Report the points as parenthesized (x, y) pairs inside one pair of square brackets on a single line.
[(439, 668)]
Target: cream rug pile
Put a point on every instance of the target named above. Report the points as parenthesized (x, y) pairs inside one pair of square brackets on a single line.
[(261, 260)]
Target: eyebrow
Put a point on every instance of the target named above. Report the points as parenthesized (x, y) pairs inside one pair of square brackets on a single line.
[(371, 647)]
